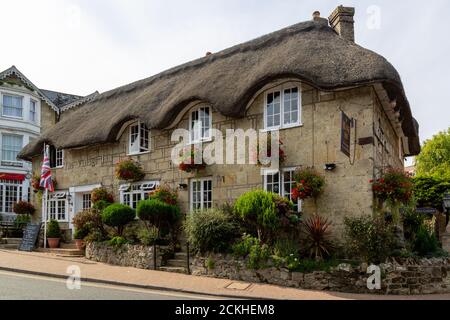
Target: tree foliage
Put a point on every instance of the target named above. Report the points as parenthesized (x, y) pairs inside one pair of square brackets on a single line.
[(429, 191), (434, 160)]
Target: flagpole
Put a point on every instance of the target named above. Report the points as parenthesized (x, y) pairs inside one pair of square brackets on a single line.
[(44, 208), (46, 219)]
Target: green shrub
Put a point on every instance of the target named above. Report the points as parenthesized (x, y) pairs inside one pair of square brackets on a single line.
[(117, 241), (118, 216), (165, 194), (21, 221), (286, 247), (252, 248), (210, 230), (426, 242), (148, 236), (90, 221), (53, 230), (80, 234), (158, 214), (101, 205), (258, 208), (100, 194), (370, 239), (412, 220)]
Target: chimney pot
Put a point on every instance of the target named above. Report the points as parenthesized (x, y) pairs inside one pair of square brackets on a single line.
[(342, 21), (316, 14), (208, 54)]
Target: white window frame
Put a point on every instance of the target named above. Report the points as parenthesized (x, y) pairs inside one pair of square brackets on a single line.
[(281, 90), (136, 189), (3, 107), (57, 198), (15, 161), (59, 161), (199, 138), (139, 148), (281, 183), (86, 201), (203, 203), (33, 113), (19, 194)]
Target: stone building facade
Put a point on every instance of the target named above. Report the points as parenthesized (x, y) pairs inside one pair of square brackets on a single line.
[(306, 107)]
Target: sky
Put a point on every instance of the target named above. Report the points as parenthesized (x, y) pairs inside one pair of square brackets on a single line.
[(86, 45)]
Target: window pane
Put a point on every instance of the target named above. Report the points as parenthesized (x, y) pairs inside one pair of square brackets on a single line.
[(290, 105), (12, 106), (273, 183), (11, 146)]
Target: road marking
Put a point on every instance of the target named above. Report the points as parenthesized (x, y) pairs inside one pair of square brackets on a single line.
[(114, 287)]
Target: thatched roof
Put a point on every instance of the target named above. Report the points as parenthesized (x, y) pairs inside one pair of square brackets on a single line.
[(310, 51)]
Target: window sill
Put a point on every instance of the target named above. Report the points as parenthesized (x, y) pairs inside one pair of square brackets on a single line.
[(12, 117), (282, 128), (138, 153), (56, 168)]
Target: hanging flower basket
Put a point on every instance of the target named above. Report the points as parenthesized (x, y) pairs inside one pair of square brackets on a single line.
[(308, 184), (394, 186), (129, 170), (187, 162), (36, 181)]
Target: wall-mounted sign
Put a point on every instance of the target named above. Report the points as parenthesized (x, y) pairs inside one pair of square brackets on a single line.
[(345, 134)]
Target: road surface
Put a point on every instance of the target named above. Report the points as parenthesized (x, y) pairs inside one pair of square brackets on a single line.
[(16, 286)]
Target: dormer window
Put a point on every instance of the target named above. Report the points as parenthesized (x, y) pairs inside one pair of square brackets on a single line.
[(139, 141), (200, 124), (282, 108), (56, 157)]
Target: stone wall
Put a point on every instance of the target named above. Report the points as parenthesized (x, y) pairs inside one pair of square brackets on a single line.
[(136, 256), (426, 276)]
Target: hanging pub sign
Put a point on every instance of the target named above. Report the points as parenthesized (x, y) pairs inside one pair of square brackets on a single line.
[(345, 134)]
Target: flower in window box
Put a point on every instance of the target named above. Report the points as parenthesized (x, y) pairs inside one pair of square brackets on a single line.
[(188, 162), (129, 170), (308, 184)]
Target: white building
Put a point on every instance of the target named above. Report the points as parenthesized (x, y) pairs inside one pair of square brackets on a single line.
[(25, 112)]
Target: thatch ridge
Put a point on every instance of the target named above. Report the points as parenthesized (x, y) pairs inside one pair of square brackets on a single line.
[(309, 51)]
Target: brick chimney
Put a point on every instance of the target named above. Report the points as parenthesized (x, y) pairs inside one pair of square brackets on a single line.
[(341, 20)]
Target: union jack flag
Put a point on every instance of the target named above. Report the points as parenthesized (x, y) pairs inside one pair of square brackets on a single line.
[(46, 174)]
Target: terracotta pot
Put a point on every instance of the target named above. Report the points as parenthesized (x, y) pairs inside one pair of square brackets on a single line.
[(79, 243), (53, 243)]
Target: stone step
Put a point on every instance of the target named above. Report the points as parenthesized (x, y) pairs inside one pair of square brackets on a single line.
[(173, 269), (181, 256), (176, 263), (70, 245), (9, 246), (63, 252), (12, 240)]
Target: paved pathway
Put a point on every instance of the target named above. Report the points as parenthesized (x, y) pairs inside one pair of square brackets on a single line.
[(46, 264)]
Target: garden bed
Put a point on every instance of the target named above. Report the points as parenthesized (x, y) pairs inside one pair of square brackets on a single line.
[(411, 276), (127, 255)]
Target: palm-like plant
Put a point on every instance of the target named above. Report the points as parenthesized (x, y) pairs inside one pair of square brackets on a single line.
[(318, 242)]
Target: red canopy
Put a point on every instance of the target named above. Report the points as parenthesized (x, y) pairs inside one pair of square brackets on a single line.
[(12, 176)]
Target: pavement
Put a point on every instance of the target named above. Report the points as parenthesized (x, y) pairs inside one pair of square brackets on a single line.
[(48, 265)]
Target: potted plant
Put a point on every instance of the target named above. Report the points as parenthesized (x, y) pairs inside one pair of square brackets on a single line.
[(79, 236), (129, 170), (53, 234), (308, 184)]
